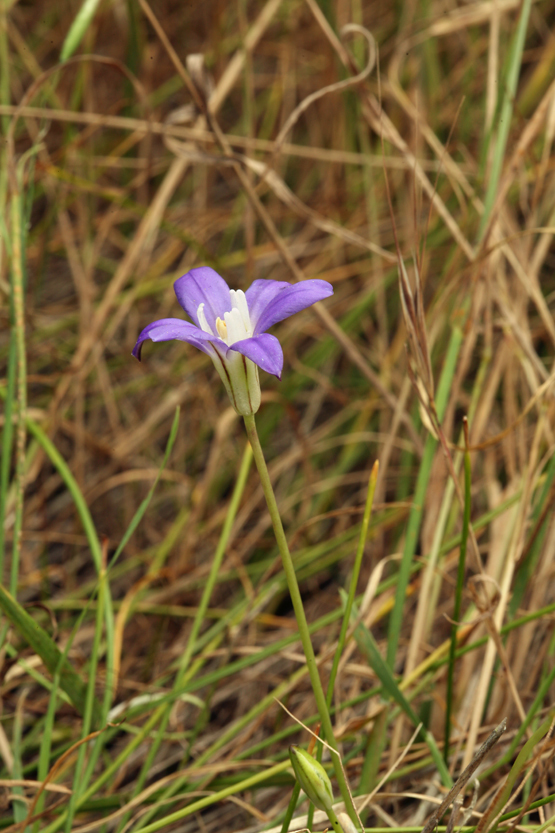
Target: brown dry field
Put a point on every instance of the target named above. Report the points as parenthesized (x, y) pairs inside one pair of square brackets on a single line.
[(267, 141)]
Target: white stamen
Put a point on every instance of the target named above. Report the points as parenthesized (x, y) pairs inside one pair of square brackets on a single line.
[(239, 302), (236, 330), (202, 320)]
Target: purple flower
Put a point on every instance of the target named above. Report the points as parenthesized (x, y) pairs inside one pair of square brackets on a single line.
[(230, 326)]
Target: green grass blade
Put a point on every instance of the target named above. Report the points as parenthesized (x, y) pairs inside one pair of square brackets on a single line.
[(532, 550), (349, 602), (291, 808), (220, 795), (354, 580), (65, 473), (138, 516), (368, 646), (182, 675), (18, 302), (505, 116), (46, 744), (19, 807), (458, 603), (517, 768), (375, 746), (104, 590), (415, 517), (79, 777), (81, 23), (48, 651), (92, 537), (7, 442)]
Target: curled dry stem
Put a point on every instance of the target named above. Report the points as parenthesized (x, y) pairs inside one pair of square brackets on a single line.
[(346, 84)]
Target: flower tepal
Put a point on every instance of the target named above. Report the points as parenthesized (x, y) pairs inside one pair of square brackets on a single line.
[(230, 326)]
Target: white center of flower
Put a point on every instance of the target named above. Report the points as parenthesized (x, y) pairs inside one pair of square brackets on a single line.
[(236, 325)]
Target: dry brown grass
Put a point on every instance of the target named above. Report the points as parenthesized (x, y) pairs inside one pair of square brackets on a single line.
[(142, 167)]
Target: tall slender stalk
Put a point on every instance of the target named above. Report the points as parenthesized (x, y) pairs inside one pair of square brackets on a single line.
[(458, 598), (302, 624), (18, 296)]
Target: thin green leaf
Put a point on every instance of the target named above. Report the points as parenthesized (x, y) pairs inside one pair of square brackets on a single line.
[(49, 652), (522, 760), (373, 479), (367, 645), (77, 30), (458, 603), (415, 518), (505, 116), (137, 517), (80, 503)]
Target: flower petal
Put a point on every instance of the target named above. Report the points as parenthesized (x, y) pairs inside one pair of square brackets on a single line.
[(288, 300), (261, 293), (168, 329), (264, 350), (203, 286)]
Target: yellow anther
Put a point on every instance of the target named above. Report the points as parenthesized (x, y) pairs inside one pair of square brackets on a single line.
[(221, 327)]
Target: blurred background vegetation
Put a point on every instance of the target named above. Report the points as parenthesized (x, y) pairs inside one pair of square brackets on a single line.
[(139, 141)]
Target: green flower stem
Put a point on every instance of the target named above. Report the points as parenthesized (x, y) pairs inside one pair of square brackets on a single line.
[(298, 608), (334, 820)]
